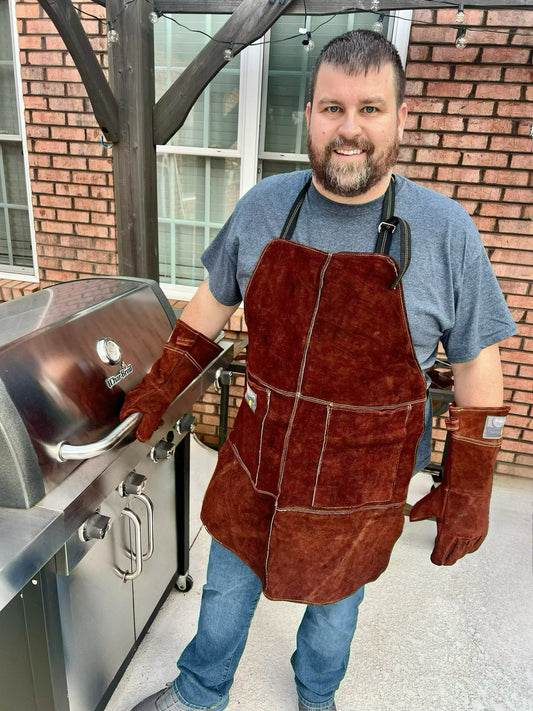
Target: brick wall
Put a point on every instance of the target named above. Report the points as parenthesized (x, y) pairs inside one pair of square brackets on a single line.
[(468, 136), (70, 170)]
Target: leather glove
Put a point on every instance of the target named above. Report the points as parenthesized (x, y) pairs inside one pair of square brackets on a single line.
[(461, 502), (186, 353)]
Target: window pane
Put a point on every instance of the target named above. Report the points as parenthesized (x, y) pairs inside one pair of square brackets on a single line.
[(273, 167), (289, 67), (196, 195), (14, 174), (15, 237), (213, 120)]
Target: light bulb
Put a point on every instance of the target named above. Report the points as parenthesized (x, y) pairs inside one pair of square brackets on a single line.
[(378, 25), (460, 41), (153, 17), (460, 17), (228, 54), (308, 44), (374, 5), (112, 36)]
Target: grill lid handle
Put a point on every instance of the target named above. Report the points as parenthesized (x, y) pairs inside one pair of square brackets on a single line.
[(65, 451)]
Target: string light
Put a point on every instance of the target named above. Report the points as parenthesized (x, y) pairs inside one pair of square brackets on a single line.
[(460, 40), (460, 16), (378, 25), (307, 42), (228, 53), (112, 35), (154, 16), (374, 5)]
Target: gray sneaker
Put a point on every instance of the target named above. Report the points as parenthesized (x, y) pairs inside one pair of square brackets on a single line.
[(166, 700), (302, 707)]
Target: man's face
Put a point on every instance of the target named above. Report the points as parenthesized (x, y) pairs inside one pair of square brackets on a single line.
[(353, 132)]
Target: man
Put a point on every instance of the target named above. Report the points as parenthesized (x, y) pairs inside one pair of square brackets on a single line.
[(350, 276)]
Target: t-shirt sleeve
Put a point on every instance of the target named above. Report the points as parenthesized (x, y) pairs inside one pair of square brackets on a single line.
[(481, 314), (220, 260)]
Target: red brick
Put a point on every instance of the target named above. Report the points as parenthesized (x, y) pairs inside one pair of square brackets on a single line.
[(55, 201), (32, 102), (418, 53), (518, 195), (505, 55), (73, 216), (62, 74), (471, 107), (425, 34), (519, 74), (52, 226), (514, 271), (47, 117), (477, 73), (490, 126), (522, 162), (419, 70), (514, 108), (522, 227), (453, 55), (73, 189), (54, 147), (506, 177), (422, 105), (464, 140), (449, 88), (420, 138), (485, 158), (434, 155), (498, 91), (511, 143), (501, 209), (458, 174), (507, 18), (69, 162), (443, 123)]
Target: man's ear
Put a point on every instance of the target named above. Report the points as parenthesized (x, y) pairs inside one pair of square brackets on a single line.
[(307, 112), (402, 117)]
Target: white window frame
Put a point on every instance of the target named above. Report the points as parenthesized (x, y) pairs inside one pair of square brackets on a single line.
[(251, 122), (11, 272)]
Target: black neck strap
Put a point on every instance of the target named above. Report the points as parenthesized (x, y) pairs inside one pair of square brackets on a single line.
[(386, 227)]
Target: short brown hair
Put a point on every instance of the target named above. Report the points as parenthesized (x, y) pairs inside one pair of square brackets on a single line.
[(358, 51)]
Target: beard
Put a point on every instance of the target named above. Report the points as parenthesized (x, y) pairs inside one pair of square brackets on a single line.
[(350, 180)]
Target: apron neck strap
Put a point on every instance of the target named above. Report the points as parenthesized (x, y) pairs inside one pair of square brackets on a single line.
[(386, 227), (290, 222)]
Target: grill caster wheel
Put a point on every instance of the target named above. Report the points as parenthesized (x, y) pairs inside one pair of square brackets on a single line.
[(184, 583)]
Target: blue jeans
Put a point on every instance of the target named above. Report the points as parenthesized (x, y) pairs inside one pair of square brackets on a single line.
[(208, 664)]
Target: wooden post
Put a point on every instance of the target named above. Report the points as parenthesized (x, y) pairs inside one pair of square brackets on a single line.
[(131, 63)]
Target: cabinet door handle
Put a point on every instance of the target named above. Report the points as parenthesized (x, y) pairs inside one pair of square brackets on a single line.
[(138, 560), (150, 517)]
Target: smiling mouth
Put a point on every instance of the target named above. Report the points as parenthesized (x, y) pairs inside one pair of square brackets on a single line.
[(348, 152)]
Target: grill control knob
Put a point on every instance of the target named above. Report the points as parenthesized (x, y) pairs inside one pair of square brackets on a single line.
[(108, 351), (132, 484), (96, 527), (185, 424), (162, 450)]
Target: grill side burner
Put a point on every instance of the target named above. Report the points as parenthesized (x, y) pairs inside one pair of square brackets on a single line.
[(94, 524)]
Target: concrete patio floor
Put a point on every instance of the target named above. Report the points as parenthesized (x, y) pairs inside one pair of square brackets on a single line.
[(429, 638)]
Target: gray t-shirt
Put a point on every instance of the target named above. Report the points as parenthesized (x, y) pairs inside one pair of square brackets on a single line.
[(451, 293)]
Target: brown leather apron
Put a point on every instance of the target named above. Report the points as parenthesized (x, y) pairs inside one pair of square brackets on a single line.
[(310, 484)]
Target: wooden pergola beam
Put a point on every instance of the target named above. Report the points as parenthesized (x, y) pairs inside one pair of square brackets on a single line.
[(319, 7), (67, 22)]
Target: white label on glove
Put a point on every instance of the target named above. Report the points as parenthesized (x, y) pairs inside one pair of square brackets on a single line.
[(251, 398), (493, 426)]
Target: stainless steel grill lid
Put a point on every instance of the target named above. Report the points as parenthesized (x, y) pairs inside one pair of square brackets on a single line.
[(68, 354)]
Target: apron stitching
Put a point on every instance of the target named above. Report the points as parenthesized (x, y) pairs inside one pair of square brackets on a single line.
[(322, 448), (243, 465), (261, 437), (334, 405)]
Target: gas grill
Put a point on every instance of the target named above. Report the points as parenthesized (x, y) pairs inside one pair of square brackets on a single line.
[(93, 524)]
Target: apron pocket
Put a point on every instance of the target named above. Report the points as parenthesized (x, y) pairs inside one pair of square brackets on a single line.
[(360, 457), (247, 433)]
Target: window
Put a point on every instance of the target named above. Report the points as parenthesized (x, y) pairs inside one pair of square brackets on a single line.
[(248, 123), (16, 252)]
